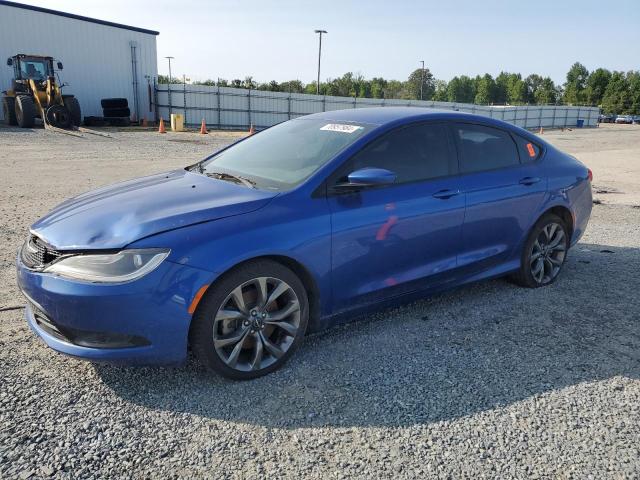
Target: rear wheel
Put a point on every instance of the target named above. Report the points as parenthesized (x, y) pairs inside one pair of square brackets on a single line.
[(25, 111), (9, 110), (73, 106), (544, 253), (251, 321)]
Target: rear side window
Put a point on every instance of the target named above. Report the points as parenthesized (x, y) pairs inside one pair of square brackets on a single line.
[(416, 152), (485, 148), (529, 151)]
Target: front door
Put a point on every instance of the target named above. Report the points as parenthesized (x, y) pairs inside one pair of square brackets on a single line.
[(398, 238)]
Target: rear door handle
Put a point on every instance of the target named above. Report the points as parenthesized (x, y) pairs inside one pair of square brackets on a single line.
[(444, 194), (529, 180)]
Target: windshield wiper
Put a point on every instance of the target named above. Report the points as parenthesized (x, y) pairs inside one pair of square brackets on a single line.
[(234, 178)]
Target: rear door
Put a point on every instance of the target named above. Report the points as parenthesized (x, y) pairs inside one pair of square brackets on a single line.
[(503, 193), (391, 240)]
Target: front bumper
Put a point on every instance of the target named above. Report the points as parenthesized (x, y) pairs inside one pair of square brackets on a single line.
[(141, 322)]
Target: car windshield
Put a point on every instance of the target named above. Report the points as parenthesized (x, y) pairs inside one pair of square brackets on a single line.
[(32, 68), (284, 155)]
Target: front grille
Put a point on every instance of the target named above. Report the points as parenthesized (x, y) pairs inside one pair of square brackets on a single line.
[(37, 254)]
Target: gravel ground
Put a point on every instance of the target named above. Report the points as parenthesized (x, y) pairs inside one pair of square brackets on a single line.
[(488, 381)]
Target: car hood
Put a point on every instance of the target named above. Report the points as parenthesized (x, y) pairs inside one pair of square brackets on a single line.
[(114, 216)]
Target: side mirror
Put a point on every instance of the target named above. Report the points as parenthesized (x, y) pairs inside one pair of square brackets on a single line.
[(9, 62), (368, 177), (60, 66)]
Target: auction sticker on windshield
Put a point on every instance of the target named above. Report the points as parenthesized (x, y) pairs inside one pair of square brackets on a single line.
[(339, 127)]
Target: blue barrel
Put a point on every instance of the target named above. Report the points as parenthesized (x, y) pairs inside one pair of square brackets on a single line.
[(580, 123)]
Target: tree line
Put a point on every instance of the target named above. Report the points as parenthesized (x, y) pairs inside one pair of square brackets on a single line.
[(613, 91)]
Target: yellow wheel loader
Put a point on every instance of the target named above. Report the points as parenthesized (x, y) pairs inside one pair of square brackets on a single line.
[(35, 93)]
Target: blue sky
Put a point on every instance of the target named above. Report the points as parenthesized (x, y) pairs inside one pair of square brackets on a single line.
[(275, 39)]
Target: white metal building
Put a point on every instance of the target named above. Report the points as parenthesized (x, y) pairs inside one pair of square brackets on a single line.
[(101, 59)]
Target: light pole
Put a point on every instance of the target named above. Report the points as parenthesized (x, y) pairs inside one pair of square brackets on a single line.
[(319, 32), (421, 79), (169, 86)]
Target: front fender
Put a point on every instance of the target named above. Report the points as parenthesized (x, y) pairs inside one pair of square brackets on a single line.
[(276, 230)]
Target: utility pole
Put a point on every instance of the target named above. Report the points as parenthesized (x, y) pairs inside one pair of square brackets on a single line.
[(421, 79), (169, 86), (169, 58), (320, 32)]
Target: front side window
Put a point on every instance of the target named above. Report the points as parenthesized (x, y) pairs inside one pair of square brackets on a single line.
[(413, 153), (484, 148), (284, 155)]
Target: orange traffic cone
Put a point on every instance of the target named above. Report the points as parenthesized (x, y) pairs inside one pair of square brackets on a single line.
[(252, 130), (161, 128), (203, 128), (144, 122)]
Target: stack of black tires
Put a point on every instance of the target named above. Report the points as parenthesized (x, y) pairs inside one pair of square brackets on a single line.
[(115, 112)]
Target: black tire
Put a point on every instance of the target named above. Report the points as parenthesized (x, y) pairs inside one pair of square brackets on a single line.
[(114, 103), (58, 116), (116, 112), (201, 335), (525, 276), (9, 110), (73, 106), (118, 121), (25, 111), (94, 121)]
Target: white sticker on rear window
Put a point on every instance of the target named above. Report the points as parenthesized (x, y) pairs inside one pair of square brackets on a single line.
[(339, 127)]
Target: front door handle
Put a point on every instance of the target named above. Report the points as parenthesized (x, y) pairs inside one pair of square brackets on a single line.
[(529, 180), (444, 194)]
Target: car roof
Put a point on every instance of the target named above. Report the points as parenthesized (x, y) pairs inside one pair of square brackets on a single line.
[(388, 116), (384, 115)]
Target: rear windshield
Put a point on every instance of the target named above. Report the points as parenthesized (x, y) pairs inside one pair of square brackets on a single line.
[(286, 154)]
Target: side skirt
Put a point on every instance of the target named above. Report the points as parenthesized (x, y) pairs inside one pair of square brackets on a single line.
[(357, 313)]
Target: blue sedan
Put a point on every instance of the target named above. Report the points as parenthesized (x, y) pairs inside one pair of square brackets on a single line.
[(297, 228)]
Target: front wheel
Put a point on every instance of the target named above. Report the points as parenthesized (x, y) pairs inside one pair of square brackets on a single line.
[(25, 111), (251, 321), (544, 253)]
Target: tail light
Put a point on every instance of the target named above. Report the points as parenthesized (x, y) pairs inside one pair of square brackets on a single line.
[(589, 174)]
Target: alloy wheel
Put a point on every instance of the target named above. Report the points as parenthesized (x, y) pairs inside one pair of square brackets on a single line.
[(548, 253), (256, 324)]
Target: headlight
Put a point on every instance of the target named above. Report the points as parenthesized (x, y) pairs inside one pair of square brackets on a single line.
[(123, 266)]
